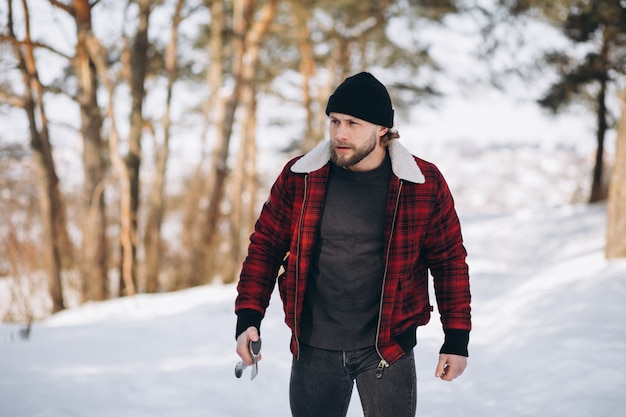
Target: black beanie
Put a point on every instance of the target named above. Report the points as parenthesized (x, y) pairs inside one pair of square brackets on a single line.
[(362, 96)]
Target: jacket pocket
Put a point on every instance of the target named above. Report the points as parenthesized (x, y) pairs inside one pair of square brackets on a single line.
[(281, 279)]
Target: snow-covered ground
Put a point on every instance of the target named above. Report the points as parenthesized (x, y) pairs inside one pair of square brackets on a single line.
[(549, 340)]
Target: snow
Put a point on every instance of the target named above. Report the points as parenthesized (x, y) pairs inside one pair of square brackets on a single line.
[(548, 339)]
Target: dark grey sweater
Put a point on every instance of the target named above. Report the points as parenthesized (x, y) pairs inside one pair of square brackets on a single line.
[(343, 291)]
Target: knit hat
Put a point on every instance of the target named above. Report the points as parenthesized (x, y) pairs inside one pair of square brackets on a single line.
[(362, 96)]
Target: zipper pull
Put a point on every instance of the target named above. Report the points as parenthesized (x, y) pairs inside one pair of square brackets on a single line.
[(381, 368)]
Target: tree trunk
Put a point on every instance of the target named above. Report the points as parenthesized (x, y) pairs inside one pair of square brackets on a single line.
[(94, 268), (598, 184), (243, 174), (51, 205), (251, 183), (98, 55), (244, 179), (246, 48), (193, 219), (152, 236), (227, 106), (307, 72), (616, 207), (138, 68)]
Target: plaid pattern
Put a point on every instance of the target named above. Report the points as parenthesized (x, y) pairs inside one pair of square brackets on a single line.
[(422, 231)]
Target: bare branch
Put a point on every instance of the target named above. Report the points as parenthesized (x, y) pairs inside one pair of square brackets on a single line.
[(12, 99), (33, 44), (67, 8)]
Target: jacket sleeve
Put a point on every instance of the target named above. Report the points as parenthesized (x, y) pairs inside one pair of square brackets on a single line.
[(269, 244), (445, 257)]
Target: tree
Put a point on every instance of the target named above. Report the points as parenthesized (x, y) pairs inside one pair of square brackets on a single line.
[(51, 204), (156, 203), (94, 252), (197, 187), (603, 25), (616, 208), (585, 71), (98, 56), (137, 69), (248, 32)]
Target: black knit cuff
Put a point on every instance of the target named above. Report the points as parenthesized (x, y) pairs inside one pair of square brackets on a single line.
[(246, 318), (456, 342)]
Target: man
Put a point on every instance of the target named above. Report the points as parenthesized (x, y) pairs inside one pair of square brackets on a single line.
[(357, 223)]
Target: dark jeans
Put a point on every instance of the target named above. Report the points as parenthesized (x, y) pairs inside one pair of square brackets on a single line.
[(322, 381)]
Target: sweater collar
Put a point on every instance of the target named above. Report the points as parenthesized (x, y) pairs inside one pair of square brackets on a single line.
[(403, 164)]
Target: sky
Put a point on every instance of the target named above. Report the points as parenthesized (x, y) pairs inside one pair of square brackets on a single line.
[(548, 340)]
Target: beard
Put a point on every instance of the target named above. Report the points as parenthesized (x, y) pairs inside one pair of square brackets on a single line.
[(359, 152)]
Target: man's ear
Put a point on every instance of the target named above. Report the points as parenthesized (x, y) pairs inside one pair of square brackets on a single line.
[(382, 130)]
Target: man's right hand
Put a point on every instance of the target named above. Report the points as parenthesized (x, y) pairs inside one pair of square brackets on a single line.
[(251, 334)]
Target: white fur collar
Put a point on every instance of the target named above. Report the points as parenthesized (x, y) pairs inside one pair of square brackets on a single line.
[(402, 163)]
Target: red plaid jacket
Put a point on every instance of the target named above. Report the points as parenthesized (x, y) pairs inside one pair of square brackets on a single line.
[(422, 232)]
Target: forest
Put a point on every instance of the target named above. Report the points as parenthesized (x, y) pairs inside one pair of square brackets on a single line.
[(130, 83)]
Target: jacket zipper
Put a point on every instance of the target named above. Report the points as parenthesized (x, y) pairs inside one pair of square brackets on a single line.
[(383, 363), (295, 304)]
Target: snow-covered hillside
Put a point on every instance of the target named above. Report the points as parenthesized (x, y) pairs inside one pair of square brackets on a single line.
[(548, 340)]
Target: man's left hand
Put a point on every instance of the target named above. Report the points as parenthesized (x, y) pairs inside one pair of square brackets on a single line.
[(450, 366)]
